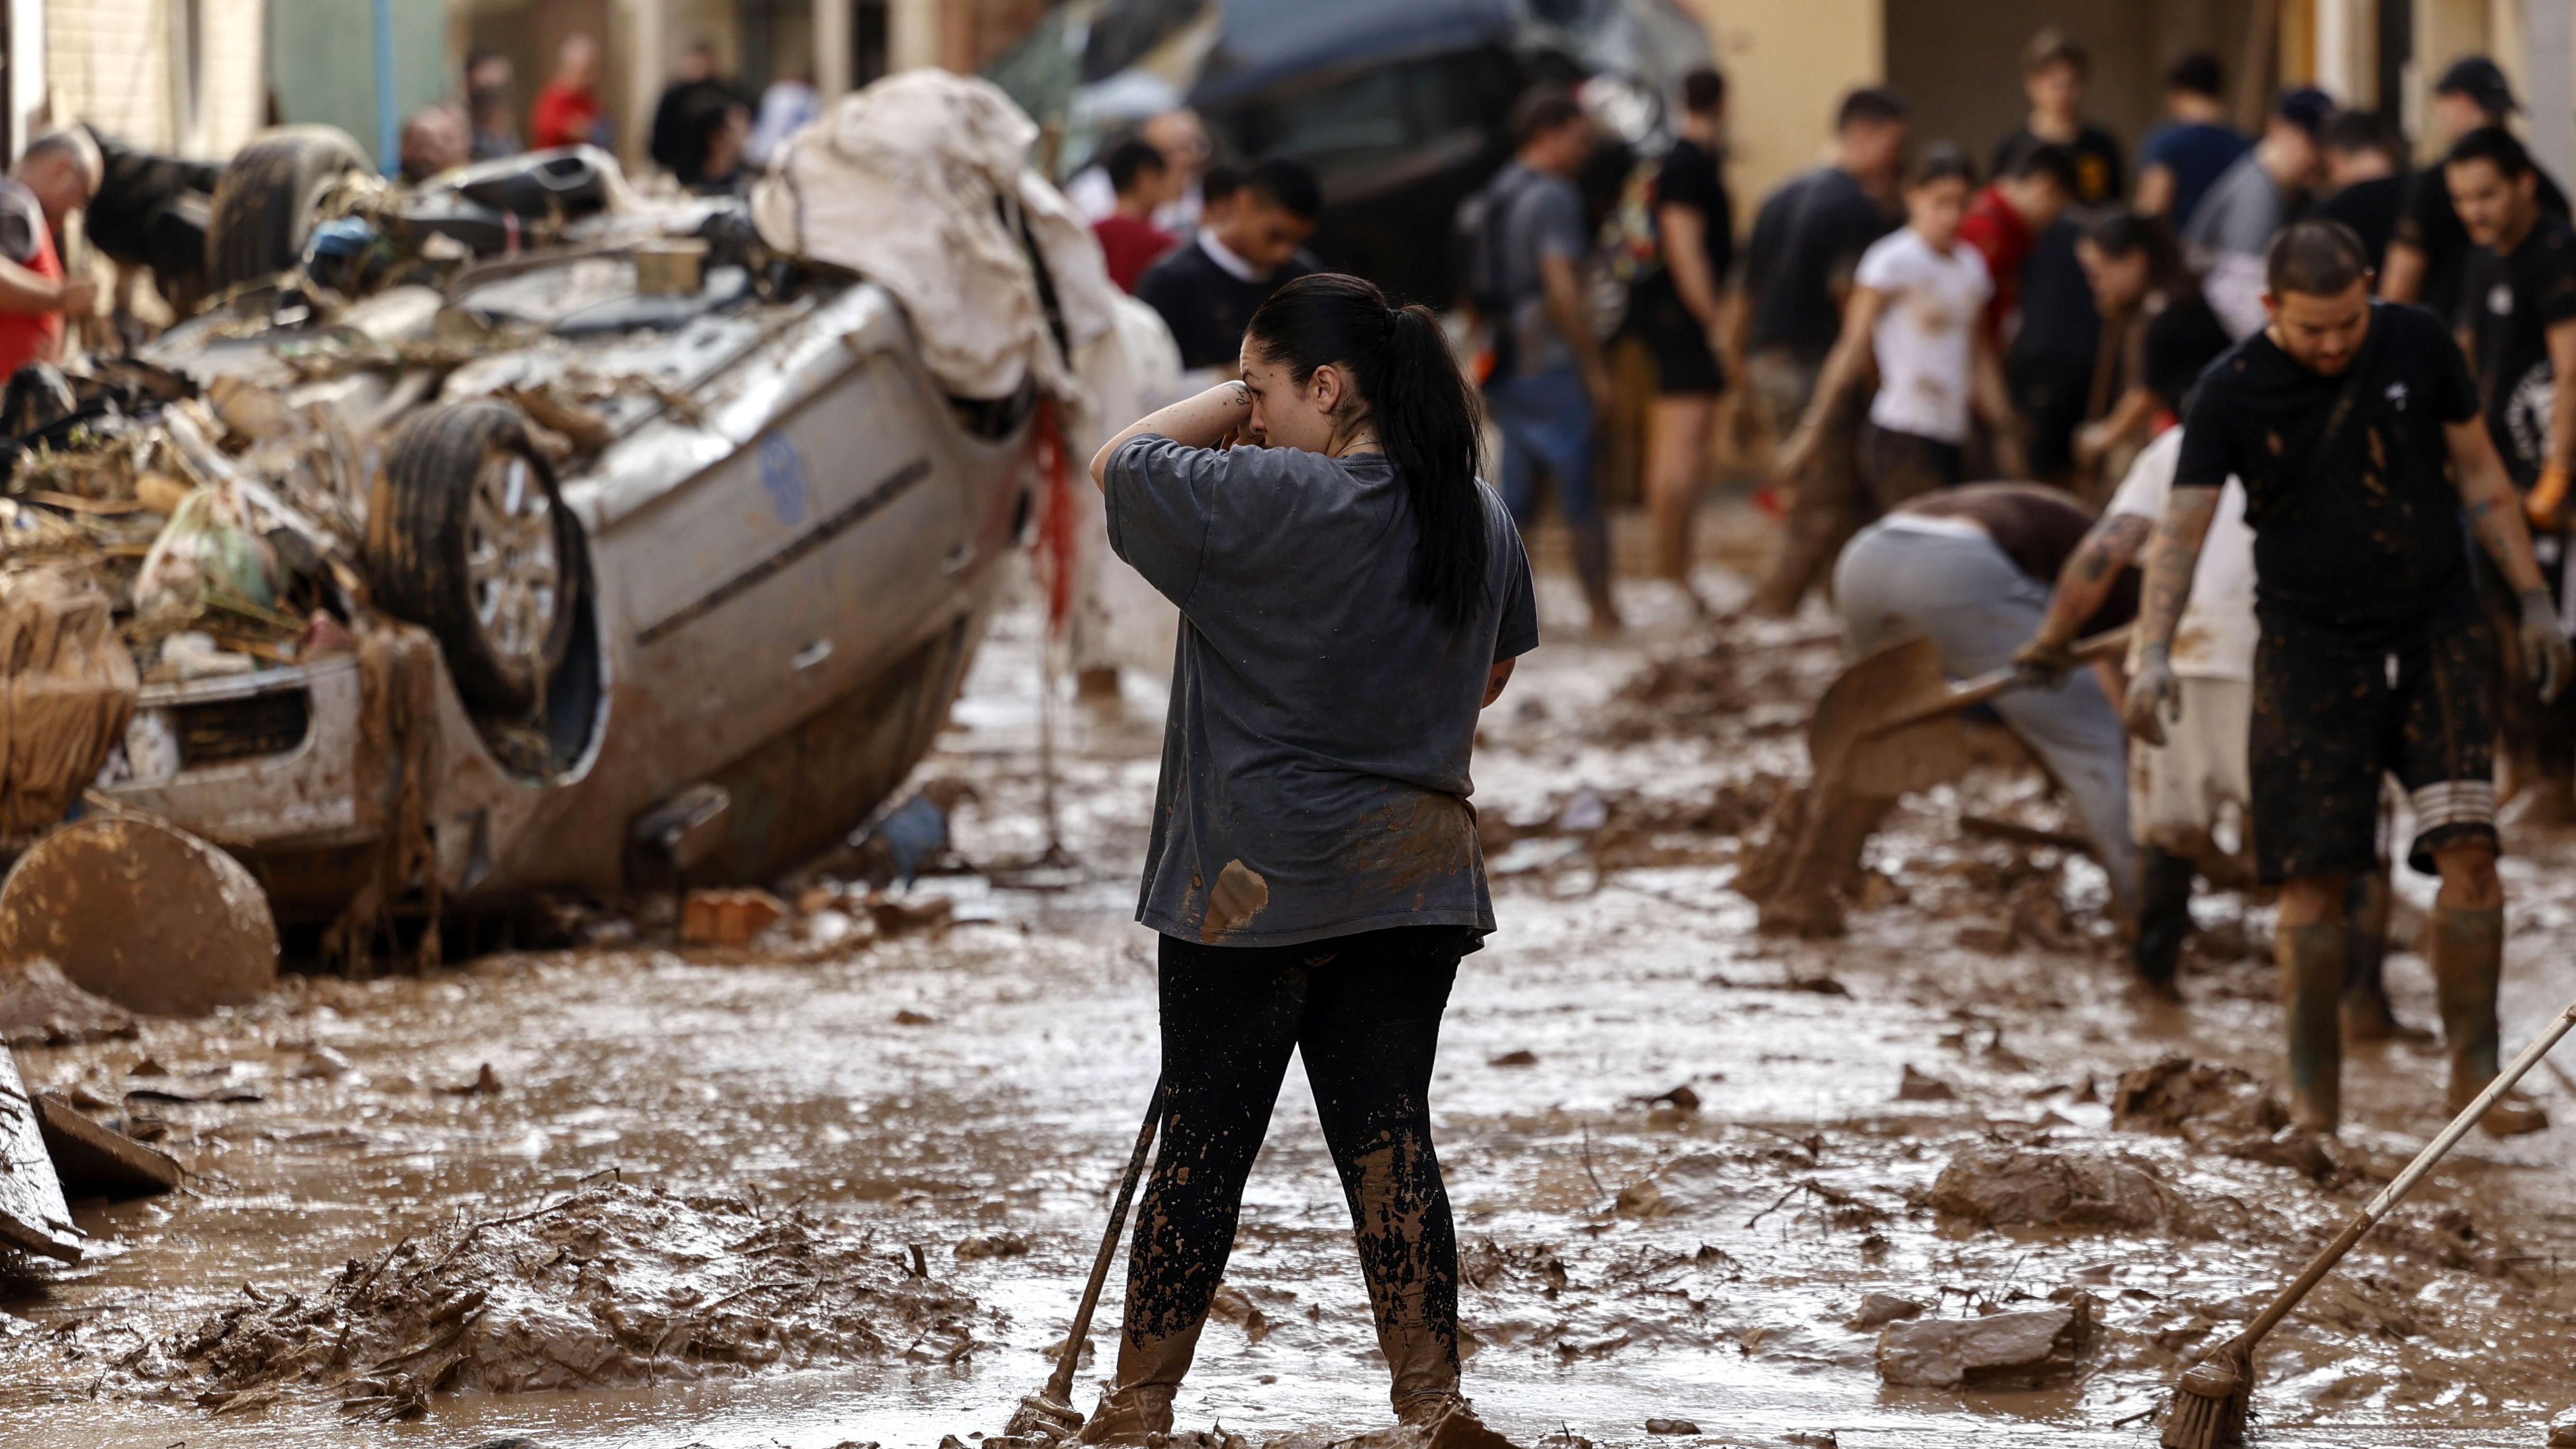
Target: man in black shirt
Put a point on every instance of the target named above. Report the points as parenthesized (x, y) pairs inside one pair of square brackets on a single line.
[(2344, 419), (1788, 311), (2518, 313), (1210, 285), (1680, 313), (2369, 188), (2431, 247)]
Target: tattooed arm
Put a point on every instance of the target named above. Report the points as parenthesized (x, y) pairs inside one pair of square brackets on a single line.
[(2496, 516), (2172, 554), (2082, 585)]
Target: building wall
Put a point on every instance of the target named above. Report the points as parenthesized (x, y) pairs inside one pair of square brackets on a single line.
[(124, 64), (1787, 63), (322, 63)]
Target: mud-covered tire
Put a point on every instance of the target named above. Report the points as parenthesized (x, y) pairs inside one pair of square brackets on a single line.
[(468, 537), (262, 213)]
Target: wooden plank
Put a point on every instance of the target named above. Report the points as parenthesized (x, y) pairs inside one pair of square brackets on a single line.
[(33, 1216), (92, 1159)]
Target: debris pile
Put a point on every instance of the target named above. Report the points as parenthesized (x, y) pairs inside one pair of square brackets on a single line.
[(1997, 1186), (613, 1285), (2002, 1350), (39, 1006)]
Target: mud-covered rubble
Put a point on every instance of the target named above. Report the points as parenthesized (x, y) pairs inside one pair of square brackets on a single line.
[(615, 1284)]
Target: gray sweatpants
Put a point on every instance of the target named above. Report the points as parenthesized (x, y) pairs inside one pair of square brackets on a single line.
[(1898, 579)]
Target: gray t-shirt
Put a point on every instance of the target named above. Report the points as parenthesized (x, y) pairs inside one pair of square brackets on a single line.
[(1544, 219), (2240, 212), (1315, 761)]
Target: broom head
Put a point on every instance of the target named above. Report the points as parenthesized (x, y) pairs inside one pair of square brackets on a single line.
[(2209, 1404)]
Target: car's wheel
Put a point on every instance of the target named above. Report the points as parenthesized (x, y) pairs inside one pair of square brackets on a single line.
[(467, 537), (263, 206)]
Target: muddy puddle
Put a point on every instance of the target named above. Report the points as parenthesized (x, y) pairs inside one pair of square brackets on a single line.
[(830, 1196)]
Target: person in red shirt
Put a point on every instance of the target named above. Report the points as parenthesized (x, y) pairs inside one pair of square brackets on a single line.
[(57, 176), (1144, 179), (566, 110), (2005, 219)]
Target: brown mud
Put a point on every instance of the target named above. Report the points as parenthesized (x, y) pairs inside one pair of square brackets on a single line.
[(1690, 1185)]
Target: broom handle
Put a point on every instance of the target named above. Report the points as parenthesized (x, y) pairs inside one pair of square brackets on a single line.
[(1971, 692), (1060, 1381), (2404, 1182)]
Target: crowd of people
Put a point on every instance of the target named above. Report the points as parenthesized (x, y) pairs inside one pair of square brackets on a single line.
[(708, 133), (2327, 401)]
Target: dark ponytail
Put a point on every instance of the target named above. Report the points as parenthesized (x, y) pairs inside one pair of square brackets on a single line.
[(1425, 414)]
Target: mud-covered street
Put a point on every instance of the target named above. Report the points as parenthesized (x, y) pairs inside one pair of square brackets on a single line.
[(846, 1189)]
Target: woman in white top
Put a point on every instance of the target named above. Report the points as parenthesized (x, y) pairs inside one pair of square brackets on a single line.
[(1913, 311)]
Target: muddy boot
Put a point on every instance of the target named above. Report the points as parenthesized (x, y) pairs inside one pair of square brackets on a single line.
[(1591, 543), (2467, 950), (2164, 919), (1138, 1402), (2367, 1016), (2311, 960), (1423, 1361)]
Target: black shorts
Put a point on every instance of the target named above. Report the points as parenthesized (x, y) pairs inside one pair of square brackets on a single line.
[(1684, 365), (2331, 719), (1898, 466)]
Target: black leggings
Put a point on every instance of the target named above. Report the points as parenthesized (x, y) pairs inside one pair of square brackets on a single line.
[(1364, 1011)]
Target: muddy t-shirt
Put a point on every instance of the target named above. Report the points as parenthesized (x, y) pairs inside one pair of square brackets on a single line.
[(2357, 533), (2509, 305), (1314, 779)]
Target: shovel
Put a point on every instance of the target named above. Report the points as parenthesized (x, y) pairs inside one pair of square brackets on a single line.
[(1886, 726), (1048, 1415), (1893, 718)]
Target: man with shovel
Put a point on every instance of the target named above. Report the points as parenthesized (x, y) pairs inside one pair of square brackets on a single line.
[(1970, 568), (2344, 419)]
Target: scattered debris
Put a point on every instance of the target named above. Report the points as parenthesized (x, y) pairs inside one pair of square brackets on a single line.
[(1515, 1059), (2178, 1091), (1998, 1186), (2562, 1435), (486, 1083), (1233, 1305), (1671, 1426), (33, 1216), (1643, 1199), (612, 1285), (1881, 1309), (728, 917), (95, 1160), (2003, 1350), (909, 1017), (1918, 1086), (1001, 1245), (322, 1064), (39, 1006), (898, 918)]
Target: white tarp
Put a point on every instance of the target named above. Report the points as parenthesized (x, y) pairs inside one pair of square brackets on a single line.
[(909, 183)]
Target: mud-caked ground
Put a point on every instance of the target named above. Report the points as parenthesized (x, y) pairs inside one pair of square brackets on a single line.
[(842, 1187)]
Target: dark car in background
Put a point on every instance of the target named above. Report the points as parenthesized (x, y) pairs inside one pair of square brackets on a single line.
[(1401, 106)]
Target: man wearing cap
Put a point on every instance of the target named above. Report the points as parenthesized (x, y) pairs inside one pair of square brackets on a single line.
[(57, 175), (2225, 236), (2431, 248)]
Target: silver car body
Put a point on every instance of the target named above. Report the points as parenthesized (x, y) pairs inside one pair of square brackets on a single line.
[(785, 587)]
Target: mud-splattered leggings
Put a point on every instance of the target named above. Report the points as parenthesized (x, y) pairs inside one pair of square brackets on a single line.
[(1364, 1011)]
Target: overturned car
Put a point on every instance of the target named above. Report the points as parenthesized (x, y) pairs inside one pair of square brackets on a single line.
[(524, 534)]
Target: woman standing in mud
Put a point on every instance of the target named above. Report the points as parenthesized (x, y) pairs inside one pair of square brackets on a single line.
[(1351, 596)]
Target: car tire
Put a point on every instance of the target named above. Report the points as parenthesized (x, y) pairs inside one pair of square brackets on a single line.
[(468, 537), (262, 212)]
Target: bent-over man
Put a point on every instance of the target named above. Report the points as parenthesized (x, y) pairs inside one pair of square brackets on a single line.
[(2344, 419)]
